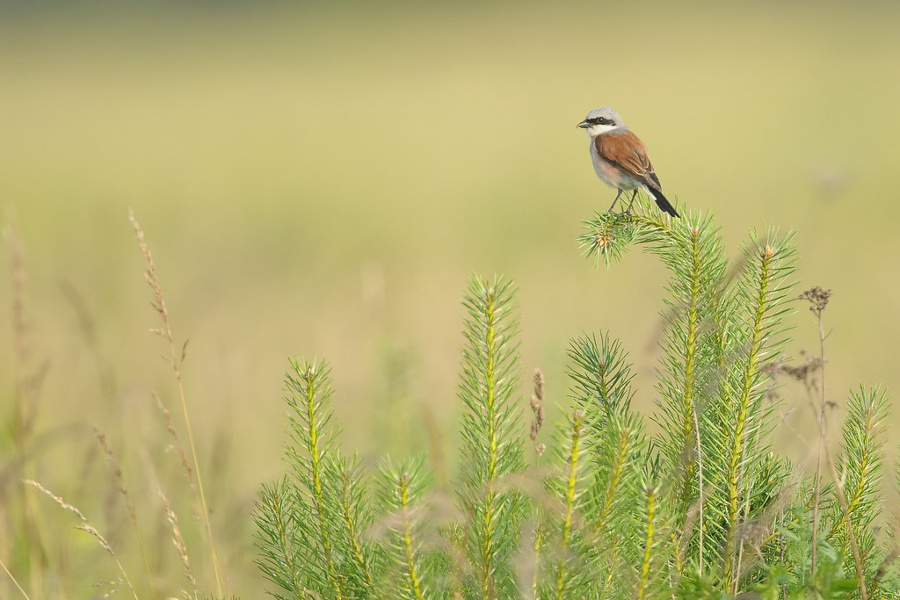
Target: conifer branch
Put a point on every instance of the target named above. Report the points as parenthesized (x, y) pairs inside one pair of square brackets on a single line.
[(570, 501), (650, 540), (857, 491), (276, 537), (309, 388), (491, 433), (402, 489), (763, 287), (355, 519)]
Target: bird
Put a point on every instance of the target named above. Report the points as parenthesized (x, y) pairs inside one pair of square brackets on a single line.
[(620, 158)]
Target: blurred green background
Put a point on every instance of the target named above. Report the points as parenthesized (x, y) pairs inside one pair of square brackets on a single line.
[(321, 180)]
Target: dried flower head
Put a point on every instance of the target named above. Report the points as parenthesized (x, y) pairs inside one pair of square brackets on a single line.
[(817, 297), (803, 371)]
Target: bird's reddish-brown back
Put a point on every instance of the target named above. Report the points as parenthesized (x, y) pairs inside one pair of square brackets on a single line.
[(628, 152)]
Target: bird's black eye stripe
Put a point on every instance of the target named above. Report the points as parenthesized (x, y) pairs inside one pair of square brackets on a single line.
[(601, 121)]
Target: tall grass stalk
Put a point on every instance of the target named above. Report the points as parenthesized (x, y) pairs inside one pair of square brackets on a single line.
[(175, 360), (129, 505), (24, 417), (88, 528)]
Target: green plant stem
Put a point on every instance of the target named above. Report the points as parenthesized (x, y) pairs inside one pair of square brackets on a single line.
[(691, 425), (615, 480), (488, 517), (352, 534), (569, 503), (744, 400), (538, 544), (649, 538), (409, 554), (854, 546), (315, 461)]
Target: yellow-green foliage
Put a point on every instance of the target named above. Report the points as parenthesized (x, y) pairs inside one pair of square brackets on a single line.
[(320, 180)]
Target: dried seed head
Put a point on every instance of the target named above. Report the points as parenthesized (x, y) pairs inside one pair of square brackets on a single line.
[(803, 371), (538, 421), (771, 369), (538, 384), (817, 297)]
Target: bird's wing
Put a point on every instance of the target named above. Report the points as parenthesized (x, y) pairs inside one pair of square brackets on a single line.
[(627, 151)]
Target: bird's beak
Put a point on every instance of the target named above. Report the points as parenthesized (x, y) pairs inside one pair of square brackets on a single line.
[(584, 124)]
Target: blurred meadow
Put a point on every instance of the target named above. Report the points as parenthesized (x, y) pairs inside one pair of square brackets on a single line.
[(321, 180)]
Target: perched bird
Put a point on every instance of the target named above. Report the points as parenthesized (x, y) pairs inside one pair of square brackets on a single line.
[(620, 158)]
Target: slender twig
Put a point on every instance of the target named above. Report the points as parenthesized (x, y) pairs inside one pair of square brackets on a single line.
[(822, 447), (818, 297), (819, 300)]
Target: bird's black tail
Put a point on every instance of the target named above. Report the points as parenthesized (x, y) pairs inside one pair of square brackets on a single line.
[(663, 202)]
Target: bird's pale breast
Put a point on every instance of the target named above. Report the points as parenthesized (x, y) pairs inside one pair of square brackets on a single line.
[(610, 174)]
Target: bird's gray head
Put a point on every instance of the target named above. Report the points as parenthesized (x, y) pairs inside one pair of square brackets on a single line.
[(601, 120)]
